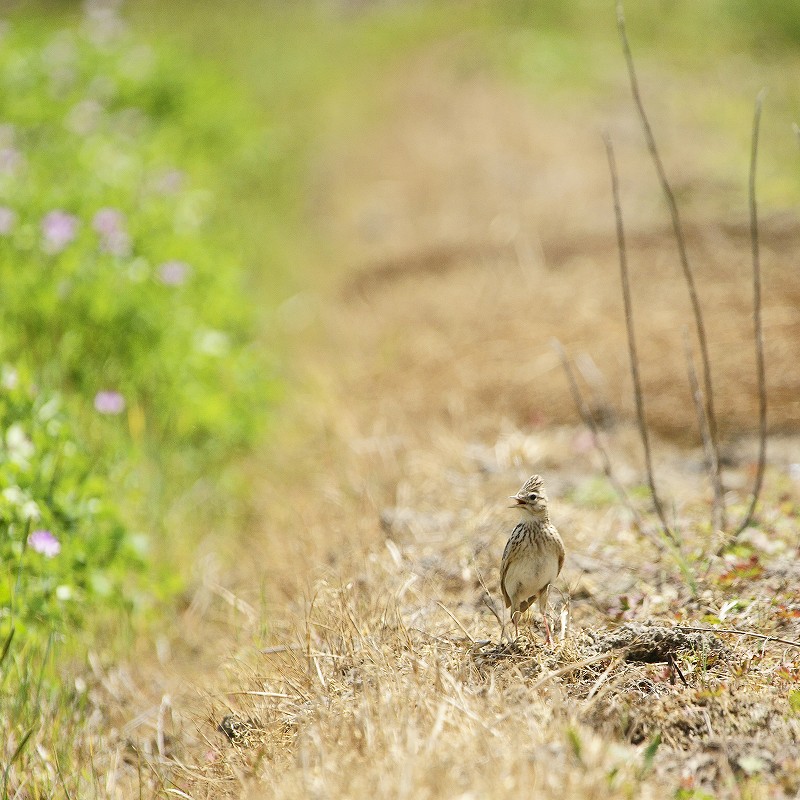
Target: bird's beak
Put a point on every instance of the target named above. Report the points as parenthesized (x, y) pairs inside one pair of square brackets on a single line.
[(517, 502)]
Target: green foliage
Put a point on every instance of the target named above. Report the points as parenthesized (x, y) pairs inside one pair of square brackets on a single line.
[(61, 536), (111, 278), (595, 492), (14, 756), (693, 794), (649, 754), (32, 708), (769, 24), (127, 329), (575, 743)]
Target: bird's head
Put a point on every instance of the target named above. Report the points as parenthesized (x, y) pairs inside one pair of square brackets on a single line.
[(531, 498)]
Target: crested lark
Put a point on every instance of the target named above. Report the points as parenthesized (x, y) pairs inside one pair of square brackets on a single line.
[(533, 556)]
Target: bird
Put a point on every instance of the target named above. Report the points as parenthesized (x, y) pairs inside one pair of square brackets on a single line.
[(533, 556)]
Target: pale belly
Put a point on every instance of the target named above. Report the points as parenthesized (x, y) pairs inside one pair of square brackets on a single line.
[(528, 577)]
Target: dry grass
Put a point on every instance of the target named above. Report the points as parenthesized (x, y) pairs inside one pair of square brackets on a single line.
[(386, 673), (356, 638), (372, 661), (377, 663)]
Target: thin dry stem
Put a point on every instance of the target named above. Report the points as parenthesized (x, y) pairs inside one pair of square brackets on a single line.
[(737, 632), (588, 419), (716, 477), (164, 708), (488, 600), (702, 420), (634, 359), (611, 654), (758, 333), (455, 619)]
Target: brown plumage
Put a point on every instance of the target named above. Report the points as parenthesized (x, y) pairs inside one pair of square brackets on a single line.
[(534, 554)]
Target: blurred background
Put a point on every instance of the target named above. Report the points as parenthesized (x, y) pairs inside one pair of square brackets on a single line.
[(194, 194), (441, 164), (207, 207)]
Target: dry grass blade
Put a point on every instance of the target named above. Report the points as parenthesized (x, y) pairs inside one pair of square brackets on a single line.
[(280, 648), (453, 617), (758, 333), (487, 599), (604, 677), (586, 662), (164, 708), (470, 715), (677, 226), (634, 358), (60, 774)]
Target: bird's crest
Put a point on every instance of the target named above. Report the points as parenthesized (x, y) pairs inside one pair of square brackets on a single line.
[(533, 484)]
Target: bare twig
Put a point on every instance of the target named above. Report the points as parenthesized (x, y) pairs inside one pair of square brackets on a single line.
[(488, 600), (758, 333), (602, 408), (490, 605), (588, 419), (716, 477), (637, 384), (673, 668), (736, 632), (702, 421)]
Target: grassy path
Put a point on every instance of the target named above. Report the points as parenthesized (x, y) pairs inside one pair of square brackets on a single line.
[(345, 640)]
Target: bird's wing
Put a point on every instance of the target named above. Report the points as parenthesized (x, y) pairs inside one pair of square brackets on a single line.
[(504, 565), (560, 555), (503, 570), (507, 550)]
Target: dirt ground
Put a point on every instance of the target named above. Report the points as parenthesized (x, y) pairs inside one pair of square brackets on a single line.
[(356, 644)]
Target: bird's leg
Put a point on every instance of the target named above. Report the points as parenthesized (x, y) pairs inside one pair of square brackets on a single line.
[(549, 635), (515, 620), (543, 609)]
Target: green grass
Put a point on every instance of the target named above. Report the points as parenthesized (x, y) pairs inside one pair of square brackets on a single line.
[(130, 375)]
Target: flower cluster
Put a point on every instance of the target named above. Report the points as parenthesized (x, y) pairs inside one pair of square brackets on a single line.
[(110, 226), (124, 317), (54, 533), (58, 230), (45, 543), (108, 402)]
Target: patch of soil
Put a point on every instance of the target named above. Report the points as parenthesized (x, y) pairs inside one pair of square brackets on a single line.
[(471, 249), (656, 643)]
